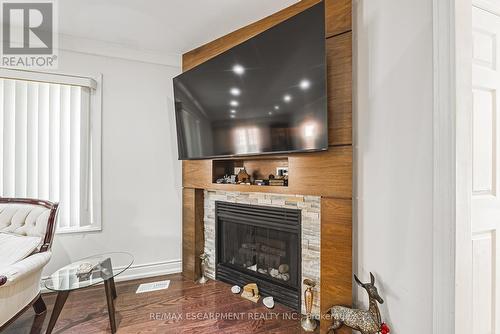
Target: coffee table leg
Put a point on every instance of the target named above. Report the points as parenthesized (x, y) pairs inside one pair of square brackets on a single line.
[(113, 287), (108, 286), (58, 306)]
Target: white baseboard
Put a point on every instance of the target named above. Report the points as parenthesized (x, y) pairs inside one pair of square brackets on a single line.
[(150, 270), (145, 270)]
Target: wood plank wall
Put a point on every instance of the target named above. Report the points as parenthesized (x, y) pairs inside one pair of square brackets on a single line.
[(336, 213), (325, 174), (192, 232)]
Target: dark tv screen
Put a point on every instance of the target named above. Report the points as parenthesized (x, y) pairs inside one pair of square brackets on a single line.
[(266, 95)]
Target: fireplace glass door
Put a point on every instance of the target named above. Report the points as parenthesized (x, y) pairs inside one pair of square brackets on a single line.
[(271, 253)]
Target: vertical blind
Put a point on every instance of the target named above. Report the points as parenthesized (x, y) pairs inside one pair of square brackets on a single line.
[(45, 144)]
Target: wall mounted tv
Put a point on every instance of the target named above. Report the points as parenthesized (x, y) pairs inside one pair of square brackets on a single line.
[(266, 95)]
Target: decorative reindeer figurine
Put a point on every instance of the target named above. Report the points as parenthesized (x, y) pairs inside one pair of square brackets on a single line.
[(367, 322)]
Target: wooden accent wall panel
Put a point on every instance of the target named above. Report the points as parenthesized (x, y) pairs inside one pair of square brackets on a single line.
[(339, 73), (336, 255), (196, 173), (322, 174), (192, 232), (338, 16)]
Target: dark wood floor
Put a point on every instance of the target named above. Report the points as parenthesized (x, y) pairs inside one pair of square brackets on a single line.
[(184, 307)]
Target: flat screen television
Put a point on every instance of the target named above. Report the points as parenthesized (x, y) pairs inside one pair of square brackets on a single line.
[(266, 95)]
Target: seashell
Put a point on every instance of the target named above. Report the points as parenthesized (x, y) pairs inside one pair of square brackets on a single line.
[(283, 268), (268, 302), (274, 272), (235, 289)]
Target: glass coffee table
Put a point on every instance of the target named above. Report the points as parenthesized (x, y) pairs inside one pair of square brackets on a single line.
[(101, 268)]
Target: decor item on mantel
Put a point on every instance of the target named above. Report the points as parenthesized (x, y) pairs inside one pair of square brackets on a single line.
[(278, 180), (204, 262), (260, 182), (243, 176), (308, 323), (366, 322), (227, 179), (282, 171)]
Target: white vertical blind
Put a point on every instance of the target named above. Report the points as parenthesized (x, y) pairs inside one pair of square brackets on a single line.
[(20, 138), (65, 156), (44, 146), (54, 141), (75, 152), (43, 140), (2, 102), (32, 142), (9, 156)]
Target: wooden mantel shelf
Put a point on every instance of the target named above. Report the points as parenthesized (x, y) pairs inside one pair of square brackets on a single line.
[(249, 188)]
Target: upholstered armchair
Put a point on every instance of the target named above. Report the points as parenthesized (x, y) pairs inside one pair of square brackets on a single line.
[(26, 232)]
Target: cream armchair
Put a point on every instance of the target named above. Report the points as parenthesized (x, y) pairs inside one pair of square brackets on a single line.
[(26, 232)]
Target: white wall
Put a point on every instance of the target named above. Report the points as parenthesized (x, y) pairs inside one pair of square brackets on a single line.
[(141, 176), (393, 156)]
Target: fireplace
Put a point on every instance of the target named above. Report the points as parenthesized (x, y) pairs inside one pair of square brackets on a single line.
[(260, 244)]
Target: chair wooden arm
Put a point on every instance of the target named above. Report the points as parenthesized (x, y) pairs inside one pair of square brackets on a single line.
[(51, 223)]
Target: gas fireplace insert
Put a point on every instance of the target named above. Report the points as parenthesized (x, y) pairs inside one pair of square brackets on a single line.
[(260, 244)]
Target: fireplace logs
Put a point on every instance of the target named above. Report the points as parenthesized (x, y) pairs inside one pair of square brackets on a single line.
[(265, 259)]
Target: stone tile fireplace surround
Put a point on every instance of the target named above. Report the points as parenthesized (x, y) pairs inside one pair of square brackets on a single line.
[(310, 238)]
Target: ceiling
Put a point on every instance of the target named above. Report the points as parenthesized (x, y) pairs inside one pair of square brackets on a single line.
[(164, 26)]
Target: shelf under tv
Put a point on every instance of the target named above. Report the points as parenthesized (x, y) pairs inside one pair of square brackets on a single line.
[(259, 169), (250, 188)]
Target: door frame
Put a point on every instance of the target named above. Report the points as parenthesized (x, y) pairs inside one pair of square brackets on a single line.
[(452, 144)]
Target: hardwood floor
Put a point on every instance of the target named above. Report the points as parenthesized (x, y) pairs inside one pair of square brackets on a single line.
[(185, 307)]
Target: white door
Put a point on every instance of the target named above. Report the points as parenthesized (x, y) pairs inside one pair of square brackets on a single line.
[(485, 220)]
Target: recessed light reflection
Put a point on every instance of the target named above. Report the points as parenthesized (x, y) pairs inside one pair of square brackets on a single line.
[(238, 69), (270, 113), (233, 111), (305, 84), (287, 98), (235, 91), (232, 116), (234, 103), (276, 107)]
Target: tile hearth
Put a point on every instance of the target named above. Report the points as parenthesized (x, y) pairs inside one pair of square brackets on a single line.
[(311, 226)]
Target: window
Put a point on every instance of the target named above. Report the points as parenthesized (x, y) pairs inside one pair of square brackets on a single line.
[(247, 139), (50, 143)]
